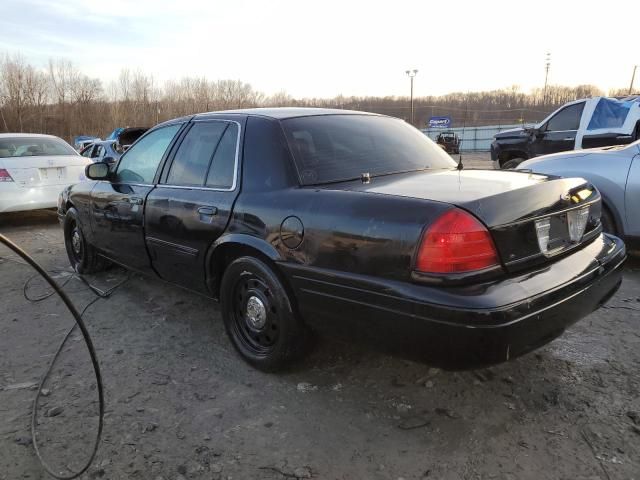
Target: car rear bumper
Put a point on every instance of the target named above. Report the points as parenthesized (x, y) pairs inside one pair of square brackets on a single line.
[(14, 198), (466, 327)]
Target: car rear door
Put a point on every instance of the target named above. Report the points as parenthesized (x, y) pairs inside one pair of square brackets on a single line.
[(191, 206), (558, 134), (117, 206)]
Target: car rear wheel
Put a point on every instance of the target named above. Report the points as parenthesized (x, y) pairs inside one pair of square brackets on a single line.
[(259, 317), (511, 164), (83, 257)]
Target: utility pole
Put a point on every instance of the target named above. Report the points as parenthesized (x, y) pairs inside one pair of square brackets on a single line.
[(411, 74), (633, 77), (547, 64)]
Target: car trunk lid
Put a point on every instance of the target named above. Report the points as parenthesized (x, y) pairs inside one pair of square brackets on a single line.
[(44, 170), (531, 217)]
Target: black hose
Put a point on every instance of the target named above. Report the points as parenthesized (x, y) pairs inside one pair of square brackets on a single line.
[(85, 334)]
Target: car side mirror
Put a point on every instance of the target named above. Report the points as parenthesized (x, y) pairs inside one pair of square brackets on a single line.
[(539, 132), (97, 171)]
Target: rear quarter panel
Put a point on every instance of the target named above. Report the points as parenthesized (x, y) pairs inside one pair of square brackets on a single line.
[(343, 231)]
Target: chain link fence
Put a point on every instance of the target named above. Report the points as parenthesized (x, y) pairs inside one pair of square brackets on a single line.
[(472, 139)]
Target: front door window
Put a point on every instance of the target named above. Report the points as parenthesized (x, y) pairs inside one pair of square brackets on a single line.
[(566, 119), (140, 163)]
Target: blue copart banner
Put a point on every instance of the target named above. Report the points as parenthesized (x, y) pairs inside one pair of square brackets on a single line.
[(440, 122)]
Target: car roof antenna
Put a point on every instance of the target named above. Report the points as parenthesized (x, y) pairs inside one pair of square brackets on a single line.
[(464, 124)]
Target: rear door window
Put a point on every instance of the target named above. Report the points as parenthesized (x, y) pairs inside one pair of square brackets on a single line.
[(223, 167), (192, 160)]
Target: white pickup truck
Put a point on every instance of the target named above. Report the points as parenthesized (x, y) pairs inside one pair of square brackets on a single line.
[(587, 123)]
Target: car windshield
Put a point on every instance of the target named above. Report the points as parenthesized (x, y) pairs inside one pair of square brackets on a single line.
[(33, 146), (333, 148)]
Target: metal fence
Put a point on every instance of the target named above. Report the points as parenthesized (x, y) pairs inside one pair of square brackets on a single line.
[(472, 139)]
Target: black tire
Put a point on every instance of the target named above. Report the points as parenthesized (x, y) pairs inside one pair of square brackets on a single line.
[(83, 256), (259, 317), (608, 223), (511, 164)]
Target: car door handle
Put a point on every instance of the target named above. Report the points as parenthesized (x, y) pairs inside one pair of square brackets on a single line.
[(568, 138), (208, 211), (135, 201)]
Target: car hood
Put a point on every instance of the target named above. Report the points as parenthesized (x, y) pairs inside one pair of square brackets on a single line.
[(512, 133), (545, 159), (126, 136)]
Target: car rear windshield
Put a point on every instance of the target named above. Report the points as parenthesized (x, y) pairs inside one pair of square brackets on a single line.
[(33, 146), (333, 148)]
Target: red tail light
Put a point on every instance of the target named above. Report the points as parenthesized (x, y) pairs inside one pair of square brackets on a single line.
[(4, 176), (455, 243)]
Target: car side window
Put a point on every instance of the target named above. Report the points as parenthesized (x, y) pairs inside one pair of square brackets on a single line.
[(191, 162), (98, 152), (140, 162), (87, 151), (566, 119), (223, 167)]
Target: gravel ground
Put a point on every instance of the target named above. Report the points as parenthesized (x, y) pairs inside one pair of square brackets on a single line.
[(180, 403)]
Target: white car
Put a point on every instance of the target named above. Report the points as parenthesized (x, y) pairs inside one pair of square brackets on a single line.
[(34, 169)]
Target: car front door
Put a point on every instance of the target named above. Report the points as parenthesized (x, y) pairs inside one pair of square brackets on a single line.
[(558, 134), (191, 206), (117, 206)]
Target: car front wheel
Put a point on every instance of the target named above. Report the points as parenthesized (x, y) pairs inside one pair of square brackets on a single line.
[(511, 164), (83, 257), (259, 317)]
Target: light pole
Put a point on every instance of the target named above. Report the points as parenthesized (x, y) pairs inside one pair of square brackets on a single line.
[(547, 64), (411, 74), (633, 77)]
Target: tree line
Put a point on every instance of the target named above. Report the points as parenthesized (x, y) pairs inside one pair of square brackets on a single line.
[(61, 100)]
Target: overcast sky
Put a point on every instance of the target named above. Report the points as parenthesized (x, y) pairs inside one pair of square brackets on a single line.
[(325, 48)]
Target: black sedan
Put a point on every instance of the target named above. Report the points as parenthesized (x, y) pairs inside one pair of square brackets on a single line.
[(308, 218)]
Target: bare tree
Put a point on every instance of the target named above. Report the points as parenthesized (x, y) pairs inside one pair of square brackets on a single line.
[(65, 102), (13, 71), (85, 90), (63, 75)]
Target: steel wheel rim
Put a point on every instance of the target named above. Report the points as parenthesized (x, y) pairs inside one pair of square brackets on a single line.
[(252, 298), (76, 242)]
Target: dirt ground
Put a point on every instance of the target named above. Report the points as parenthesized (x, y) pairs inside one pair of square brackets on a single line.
[(180, 404)]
